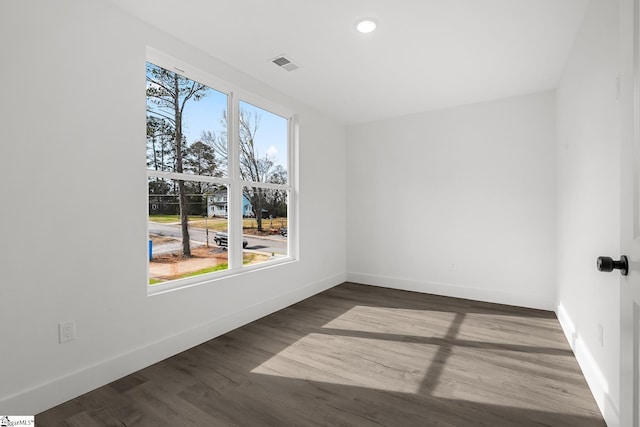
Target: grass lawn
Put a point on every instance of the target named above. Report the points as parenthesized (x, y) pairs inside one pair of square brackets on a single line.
[(206, 270), (165, 219), (220, 224), (266, 223)]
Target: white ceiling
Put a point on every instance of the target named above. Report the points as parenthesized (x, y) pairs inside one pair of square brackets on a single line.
[(426, 54)]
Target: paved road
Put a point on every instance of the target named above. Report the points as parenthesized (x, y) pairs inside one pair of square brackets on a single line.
[(273, 244)]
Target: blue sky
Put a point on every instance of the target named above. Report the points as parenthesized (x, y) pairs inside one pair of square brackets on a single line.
[(205, 114)]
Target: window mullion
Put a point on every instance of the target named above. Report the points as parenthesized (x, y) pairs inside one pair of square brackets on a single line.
[(187, 177), (235, 189), (292, 181)]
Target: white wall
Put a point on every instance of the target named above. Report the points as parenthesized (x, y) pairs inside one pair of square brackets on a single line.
[(588, 202), (73, 222), (458, 202)]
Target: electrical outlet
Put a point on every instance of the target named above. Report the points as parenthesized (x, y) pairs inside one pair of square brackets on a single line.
[(67, 331), (600, 335)]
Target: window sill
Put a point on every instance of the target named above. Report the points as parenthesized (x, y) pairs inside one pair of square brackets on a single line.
[(162, 288)]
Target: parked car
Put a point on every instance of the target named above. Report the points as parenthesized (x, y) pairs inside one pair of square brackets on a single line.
[(222, 239)]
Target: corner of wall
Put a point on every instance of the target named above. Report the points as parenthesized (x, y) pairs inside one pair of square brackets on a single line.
[(541, 302), (594, 376)]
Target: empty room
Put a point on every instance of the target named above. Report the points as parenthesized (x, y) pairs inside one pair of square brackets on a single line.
[(281, 212)]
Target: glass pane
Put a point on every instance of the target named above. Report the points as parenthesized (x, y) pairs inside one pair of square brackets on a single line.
[(194, 141), (264, 226), (198, 246), (263, 145)]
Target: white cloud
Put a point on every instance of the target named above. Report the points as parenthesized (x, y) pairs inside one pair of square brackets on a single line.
[(272, 151)]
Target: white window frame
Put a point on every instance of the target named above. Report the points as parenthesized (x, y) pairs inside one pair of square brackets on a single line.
[(233, 180)]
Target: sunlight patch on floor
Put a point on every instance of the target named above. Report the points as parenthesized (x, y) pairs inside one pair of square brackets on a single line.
[(396, 367), (385, 320), (504, 329), (521, 384)]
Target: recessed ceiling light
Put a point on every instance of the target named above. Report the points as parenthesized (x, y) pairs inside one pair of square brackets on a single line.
[(366, 25)]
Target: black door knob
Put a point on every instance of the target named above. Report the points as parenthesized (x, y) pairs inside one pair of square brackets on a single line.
[(608, 264)]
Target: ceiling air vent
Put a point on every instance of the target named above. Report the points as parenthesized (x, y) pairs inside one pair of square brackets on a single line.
[(283, 62)]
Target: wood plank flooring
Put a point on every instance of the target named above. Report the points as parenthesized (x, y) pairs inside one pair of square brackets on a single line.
[(358, 355)]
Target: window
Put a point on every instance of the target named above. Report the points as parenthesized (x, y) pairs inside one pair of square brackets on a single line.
[(218, 171), (263, 166)]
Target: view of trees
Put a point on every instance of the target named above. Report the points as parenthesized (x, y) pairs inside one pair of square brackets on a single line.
[(168, 94), (254, 166)]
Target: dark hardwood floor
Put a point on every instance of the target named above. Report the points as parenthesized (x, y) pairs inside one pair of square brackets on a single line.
[(358, 356)]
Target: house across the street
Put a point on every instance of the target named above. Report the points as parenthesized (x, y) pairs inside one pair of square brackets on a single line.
[(217, 205)]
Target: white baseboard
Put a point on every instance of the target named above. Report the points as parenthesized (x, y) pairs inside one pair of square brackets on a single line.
[(543, 302), (87, 378), (595, 378)]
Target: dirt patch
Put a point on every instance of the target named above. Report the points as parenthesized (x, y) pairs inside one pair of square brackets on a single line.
[(173, 266), (264, 232)]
